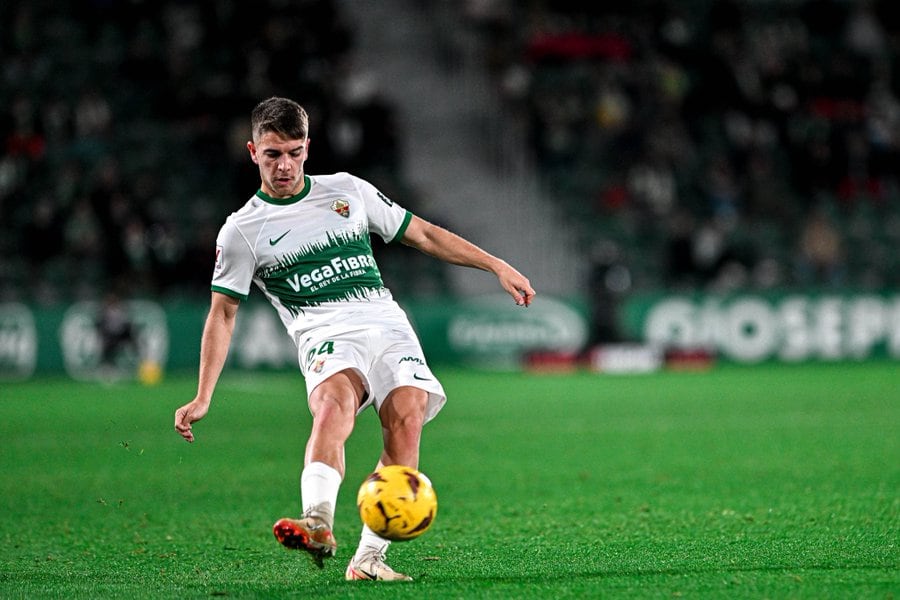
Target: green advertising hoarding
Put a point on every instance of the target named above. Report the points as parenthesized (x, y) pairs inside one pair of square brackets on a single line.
[(749, 328), (489, 332), (485, 332)]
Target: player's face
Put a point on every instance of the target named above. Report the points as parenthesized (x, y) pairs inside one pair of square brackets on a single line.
[(280, 163)]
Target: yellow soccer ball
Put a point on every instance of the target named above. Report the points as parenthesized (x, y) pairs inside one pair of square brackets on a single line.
[(398, 503)]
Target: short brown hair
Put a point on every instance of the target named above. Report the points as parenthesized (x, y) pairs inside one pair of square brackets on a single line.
[(282, 116)]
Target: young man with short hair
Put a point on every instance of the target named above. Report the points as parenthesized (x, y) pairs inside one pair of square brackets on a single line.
[(304, 241)]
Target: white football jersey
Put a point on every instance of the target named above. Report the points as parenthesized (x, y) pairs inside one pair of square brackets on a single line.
[(311, 254)]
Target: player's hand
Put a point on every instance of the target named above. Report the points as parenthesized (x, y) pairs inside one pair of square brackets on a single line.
[(188, 414), (516, 285)]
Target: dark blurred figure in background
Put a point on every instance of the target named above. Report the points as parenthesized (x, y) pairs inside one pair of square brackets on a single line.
[(820, 252), (117, 337)]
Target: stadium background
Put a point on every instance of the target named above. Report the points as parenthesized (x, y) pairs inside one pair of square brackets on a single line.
[(704, 179), (691, 186)]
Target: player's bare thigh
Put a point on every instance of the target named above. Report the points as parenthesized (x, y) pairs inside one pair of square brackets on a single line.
[(344, 390)]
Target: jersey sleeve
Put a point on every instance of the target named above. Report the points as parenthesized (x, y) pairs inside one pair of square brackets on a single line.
[(386, 218), (235, 263)]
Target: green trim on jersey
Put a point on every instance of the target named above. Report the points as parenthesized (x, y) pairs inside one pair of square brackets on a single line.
[(406, 221), (307, 186), (341, 268), (227, 292)]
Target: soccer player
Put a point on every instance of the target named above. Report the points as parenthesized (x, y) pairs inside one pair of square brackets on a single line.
[(304, 241)]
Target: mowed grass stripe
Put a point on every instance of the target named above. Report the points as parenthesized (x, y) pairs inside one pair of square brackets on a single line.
[(773, 481)]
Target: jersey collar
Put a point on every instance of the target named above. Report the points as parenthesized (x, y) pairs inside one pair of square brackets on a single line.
[(307, 185)]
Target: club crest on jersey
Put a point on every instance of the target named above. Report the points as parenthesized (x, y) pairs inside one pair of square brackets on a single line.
[(341, 207)]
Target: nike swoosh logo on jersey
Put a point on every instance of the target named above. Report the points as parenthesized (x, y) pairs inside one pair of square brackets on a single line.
[(279, 238), (416, 376)]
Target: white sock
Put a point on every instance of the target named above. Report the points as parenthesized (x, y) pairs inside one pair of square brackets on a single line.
[(369, 541), (319, 485)]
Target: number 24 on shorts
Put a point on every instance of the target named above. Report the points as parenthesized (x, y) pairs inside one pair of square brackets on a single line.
[(327, 347)]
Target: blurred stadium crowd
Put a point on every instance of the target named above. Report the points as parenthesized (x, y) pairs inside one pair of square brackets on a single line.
[(696, 144), (715, 145), (124, 128)]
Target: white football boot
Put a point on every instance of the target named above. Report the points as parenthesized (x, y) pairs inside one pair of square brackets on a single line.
[(369, 565)]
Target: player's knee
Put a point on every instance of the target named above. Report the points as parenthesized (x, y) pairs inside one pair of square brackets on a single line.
[(403, 412), (333, 406), (407, 425)]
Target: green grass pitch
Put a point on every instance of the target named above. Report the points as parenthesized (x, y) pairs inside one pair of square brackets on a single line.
[(766, 482)]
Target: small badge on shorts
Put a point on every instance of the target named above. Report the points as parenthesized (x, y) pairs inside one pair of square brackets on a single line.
[(318, 365), (341, 207)]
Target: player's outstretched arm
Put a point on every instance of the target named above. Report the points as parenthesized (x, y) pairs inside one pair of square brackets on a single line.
[(213, 351), (449, 247)]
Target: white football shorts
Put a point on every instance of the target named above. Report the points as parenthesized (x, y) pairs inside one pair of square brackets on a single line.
[(385, 357)]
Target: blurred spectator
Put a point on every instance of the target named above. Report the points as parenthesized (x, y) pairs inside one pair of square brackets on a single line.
[(609, 281), (820, 259), (82, 234), (768, 196), (117, 336), (93, 115), (864, 33), (709, 250), (721, 256), (111, 206), (651, 182), (24, 137), (721, 189), (681, 268), (42, 236), (362, 129)]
